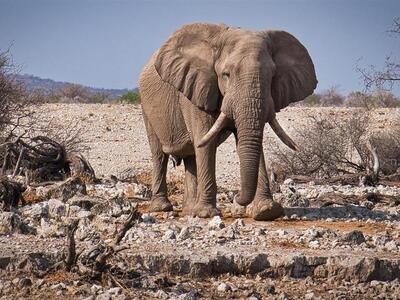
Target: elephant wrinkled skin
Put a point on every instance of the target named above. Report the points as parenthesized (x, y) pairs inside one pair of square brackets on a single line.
[(206, 82)]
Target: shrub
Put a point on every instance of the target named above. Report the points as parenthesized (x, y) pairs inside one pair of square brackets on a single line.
[(312, 100), (331, 97), (130, 97), (328, 147)]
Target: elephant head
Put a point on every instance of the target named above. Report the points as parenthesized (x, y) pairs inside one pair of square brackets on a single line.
[(245, 75)]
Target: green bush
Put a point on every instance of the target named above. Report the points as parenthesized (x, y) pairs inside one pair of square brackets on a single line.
[(130, 97)]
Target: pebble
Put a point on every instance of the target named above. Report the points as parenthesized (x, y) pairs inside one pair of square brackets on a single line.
[(216, 223), (149, 219), (223, 287), (169, 235), (104, 296), (309, 296), (354, 237), (184, 233), (115, 291)]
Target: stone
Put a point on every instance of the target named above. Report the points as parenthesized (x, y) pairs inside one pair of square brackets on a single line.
[(50, 228), (84, 214), (223, 287), (35, 211), (115, 291), (83, 201), (391, 246), (309, 296), (184, 233), (149, 219), (10, 223), (288, 181), (169, 235), (95, 288), (57, 208), (160, 294), (25, 282), (216, 223), (191, 295), (354, 237), (104, 296)]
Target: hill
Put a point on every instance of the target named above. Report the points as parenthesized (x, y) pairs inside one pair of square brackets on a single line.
[(33, 83)]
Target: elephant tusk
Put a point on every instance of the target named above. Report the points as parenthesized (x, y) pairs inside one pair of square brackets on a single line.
[(219, 124), (276, 127)]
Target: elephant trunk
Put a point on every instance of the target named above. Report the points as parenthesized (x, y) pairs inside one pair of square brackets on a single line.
[(250, 127)]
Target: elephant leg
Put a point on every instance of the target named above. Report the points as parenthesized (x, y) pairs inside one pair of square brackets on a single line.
[(206, 204), (263, 208), (159, 199), (189, 199)]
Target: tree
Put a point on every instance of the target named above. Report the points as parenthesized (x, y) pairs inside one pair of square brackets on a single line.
[(331, 97), (75, 93), (389, 75)]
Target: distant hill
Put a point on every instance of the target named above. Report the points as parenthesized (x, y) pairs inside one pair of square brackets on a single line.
[(34, 83)]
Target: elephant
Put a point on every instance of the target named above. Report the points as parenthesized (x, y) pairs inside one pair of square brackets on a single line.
[(206, 82)]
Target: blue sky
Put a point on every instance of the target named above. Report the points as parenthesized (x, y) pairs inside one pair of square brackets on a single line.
[(106, 43)]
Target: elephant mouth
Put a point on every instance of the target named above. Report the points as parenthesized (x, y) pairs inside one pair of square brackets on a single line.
[(223, 120)]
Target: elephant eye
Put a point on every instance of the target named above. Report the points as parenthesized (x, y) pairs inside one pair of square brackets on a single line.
[(225, 74)]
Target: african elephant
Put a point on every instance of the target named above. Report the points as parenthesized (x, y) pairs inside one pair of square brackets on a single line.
[(206, 82)]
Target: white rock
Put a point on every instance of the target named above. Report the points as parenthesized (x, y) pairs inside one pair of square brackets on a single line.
[(309, 296), (169, 235), (95, 288), (288, 181), (36, 211), (391, 245), (160, 294), (115, 291), (216, 223), (9, 222), (48, 228), (223, 287), (184, 233), (57, 208), (104, 296)]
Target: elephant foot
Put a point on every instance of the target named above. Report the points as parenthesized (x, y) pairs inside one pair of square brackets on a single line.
[(187, 206), (205, 211), (159, 204), (264, 209), (237, 210)]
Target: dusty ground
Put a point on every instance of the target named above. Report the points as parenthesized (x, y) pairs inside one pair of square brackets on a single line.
[(346, 251), (117, 137)]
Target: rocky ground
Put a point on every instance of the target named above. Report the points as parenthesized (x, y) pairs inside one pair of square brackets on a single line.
[(334, 242)]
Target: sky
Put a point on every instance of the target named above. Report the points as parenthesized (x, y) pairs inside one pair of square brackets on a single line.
[(106, 43)]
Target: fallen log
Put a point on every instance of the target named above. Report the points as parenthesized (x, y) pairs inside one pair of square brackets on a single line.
[(42, 159)]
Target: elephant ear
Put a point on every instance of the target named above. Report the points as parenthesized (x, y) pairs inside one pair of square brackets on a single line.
[(294, 78), (186, 61)]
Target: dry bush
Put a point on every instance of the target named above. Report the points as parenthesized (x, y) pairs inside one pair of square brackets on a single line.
[(377, 99), (331, 97), (388, 149), (328, 147), (15, 102), (20, 113)]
